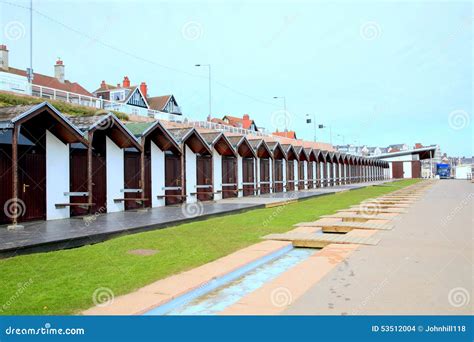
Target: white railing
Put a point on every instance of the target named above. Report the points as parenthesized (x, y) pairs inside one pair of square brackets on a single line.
[(98, 103), (225, 128)]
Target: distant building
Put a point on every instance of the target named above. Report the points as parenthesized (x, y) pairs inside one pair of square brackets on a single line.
[(286, 134), (397, 148), (245, 122), (48, 87), (135, 96)]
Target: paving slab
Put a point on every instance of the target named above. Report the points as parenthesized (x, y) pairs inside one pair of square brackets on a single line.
[(423, 266)]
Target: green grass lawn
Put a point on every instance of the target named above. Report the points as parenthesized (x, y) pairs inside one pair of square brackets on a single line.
[(63, 282)]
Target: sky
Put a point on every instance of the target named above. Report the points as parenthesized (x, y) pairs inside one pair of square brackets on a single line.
[(372, 72)]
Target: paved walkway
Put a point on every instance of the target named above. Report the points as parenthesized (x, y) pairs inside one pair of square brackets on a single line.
[(424, 266), (73, 232)]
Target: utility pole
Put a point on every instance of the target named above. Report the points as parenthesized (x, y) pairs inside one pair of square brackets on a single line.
[(29, 73), (210, 94)]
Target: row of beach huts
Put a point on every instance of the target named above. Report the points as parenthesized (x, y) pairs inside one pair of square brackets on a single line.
[(55, 166)]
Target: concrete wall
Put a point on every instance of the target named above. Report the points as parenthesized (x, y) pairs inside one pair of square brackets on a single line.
[(115, 175), (257, 175), (270, 171), (217, 174), (407, 169), (157, 175), (191, 174), (240, 175), (321, 172), (296, 173), (57, 177), (305, 174)]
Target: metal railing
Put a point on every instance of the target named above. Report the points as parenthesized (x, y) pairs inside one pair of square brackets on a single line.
[(99, 103)]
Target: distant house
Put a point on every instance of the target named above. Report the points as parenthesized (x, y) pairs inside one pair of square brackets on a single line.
[(374, 151), (15, 80), (135, 96), (286, 134), (245, 122), (397, 147), (166, 103)]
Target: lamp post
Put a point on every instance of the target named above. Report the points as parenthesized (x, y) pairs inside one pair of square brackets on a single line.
[(308, 121), (330, 132), (209, 66), (284, 107), (343, 138)]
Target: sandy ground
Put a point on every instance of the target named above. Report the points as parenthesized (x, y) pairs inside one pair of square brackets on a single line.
[(423, 266)]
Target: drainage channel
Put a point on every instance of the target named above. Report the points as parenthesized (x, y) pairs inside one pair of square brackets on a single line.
[(220, 293)]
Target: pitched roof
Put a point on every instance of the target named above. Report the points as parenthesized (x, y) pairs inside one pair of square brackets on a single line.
[(238, 122), (84, 123), (210, 137), (137, 128), (287, 134), (158, 102), (235, 139), (9, 113), (52, 82)]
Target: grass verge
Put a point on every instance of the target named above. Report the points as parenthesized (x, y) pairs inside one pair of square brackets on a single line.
[(63, 282)]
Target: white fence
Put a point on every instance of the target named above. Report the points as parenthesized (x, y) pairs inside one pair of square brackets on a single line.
[(97, 103)]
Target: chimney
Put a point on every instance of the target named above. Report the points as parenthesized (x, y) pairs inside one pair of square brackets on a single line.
[(103, 85), (126, 82), (3, 57), (59, 70), (246, 121), (144, 88)]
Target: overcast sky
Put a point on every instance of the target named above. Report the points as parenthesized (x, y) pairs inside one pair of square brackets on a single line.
[(377, 73)]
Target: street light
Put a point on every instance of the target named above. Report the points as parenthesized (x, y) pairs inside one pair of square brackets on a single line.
[(308, 121), (284, 107), (209, 66), (330, 132)]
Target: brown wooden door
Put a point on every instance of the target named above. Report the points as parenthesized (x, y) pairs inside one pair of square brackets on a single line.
[(78, 179), (32, 183), (310, 175), (173, 179), (331, 173), (290, 175), (132, 179), (318, 175), (397, 169), (264, 175), (415, 169), (248, 176), (204, 178), (278, 176), (229, 178), (301, 174)]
